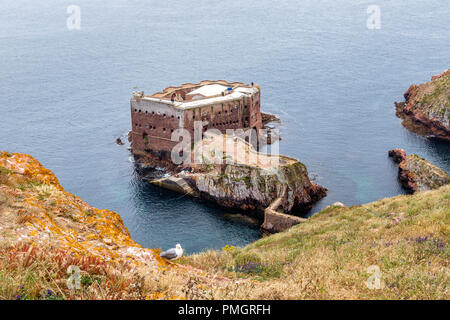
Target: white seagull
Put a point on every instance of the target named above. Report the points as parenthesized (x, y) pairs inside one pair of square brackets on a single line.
[(173, 254)]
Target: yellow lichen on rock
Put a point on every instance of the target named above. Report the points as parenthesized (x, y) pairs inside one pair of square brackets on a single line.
[(39, 219), (36, 209)]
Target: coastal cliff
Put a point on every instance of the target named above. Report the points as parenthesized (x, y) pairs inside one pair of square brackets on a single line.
[(44, 230), (426, 109), (252, 188), (417, 174)]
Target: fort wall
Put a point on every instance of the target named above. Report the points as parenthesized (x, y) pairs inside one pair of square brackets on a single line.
[(154, 118)]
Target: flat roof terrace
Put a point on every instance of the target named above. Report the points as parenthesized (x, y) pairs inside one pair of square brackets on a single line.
[(189, 96)]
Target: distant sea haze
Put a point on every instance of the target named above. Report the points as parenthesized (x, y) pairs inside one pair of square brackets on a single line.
[(330, 78)]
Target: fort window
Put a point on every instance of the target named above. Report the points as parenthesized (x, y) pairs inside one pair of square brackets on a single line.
[(140, 110), (135, 110), (153, 112), (146, 111), (164, 115), (164, 129), (144, 135)]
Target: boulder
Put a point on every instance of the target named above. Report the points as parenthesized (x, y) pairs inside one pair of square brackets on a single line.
[(417, 174), (397, 155)]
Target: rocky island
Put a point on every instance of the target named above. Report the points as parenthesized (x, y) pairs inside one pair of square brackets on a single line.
[(417, 174), (426, 109), (246, 180), (221, 127)]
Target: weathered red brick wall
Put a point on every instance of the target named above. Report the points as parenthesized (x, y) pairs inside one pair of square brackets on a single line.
[(231, 115), (152, 130)]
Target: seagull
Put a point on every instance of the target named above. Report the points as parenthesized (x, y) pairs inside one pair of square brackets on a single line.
[(173, 254)]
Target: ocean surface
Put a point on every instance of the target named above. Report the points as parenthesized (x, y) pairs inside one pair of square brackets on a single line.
[(64, 94)]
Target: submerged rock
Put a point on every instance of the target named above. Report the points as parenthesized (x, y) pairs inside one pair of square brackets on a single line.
[(49, 214), (418, 174), (426, 109)]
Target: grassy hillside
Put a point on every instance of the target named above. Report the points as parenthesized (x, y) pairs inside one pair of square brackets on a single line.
[(434, 96), (44, 230), (328, 256)]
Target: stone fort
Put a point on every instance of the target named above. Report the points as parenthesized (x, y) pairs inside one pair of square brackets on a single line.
[(218, 104)]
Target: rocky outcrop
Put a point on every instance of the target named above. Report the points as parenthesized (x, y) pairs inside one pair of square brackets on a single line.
[(426, 109), (47, 211), (397, 155), (46, 231), (229, 171), (250, 180), (253, 188), (417, 174)]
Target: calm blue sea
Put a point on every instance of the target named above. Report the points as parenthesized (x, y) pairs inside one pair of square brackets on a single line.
[(64, 94)]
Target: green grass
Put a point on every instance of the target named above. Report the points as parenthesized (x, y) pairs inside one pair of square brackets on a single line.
[(439, 98), (332, 250)]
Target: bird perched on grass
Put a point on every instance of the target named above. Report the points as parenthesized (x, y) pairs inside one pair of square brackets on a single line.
[(173, 254)]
